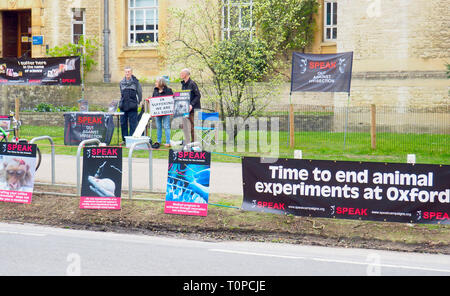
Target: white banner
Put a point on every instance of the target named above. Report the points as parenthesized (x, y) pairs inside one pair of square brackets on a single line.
[(160, 106)]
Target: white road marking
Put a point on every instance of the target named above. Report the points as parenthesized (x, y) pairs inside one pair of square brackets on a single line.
[(22, 233), (331, 260)]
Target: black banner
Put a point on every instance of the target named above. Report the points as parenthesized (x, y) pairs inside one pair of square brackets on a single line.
[(321, 72), (80, 126), (102, 178), (17, 171), (40, 71), (391, 192)]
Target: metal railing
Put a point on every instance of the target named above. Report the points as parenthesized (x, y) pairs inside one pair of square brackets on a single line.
[(130, 166), (80, 146)]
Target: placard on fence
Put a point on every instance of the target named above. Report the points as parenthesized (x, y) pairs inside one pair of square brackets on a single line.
[(17, 170), (188, 183), (101, 185), (391, 192)]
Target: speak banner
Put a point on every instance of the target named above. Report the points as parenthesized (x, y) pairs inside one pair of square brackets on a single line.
[(17, 170), (80, 126), (392, 192), (40, 71), (321, 72), (101, 185), (188, 183)]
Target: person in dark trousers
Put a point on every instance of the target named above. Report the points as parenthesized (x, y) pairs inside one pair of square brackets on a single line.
[(131, 97), (188, 84), (161, 90)]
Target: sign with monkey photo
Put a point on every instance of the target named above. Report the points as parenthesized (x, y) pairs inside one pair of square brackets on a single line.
[(17, 170)]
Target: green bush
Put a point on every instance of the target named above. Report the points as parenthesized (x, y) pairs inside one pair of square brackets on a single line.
[(46, 107)]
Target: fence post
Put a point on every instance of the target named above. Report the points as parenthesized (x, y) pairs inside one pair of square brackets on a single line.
[(373, 133), (81, 145), (16, 113), (291, 126), (52, 153), (130, 166)]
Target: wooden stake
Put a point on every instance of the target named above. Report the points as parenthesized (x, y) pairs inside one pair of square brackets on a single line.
[(291, 126), (16, 113), (373, 133)]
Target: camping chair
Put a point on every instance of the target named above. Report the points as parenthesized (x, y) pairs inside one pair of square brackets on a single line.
[(207, 132)]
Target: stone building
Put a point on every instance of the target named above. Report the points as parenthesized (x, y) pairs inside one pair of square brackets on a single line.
[(400, 47)]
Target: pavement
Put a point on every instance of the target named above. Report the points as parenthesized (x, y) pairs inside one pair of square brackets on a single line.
[(226, 178)]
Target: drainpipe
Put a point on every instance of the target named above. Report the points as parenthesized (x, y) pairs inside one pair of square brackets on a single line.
[(106, 32)]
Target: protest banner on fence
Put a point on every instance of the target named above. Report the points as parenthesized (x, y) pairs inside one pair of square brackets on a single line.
[(188, 183), (392, 192), (40, 71), (101, 185), (321, 72), (160, 106), (17, 170), (80, 126)]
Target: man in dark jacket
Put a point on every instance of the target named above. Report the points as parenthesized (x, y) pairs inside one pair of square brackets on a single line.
[(188, 84), (131, 97)]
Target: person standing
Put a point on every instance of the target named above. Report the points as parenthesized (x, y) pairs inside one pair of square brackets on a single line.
[(161, 90), (188, 84), (130, 99)]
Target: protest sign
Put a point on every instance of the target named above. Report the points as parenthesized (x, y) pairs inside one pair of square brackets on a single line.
[(352, 190), (102, 178), (17, 170), (188, 183)]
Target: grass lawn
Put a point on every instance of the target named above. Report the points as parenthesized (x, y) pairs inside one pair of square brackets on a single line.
[(391, 147)]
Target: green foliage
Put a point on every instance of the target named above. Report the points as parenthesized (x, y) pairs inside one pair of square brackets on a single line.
[(240, 60), (244, 80), (286, 24), (244, 69), (90, 49), (46, 107)]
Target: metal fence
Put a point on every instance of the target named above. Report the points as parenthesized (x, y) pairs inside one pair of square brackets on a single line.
[(386, 128)]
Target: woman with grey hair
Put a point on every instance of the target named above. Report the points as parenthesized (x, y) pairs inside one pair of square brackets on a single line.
[(161, 90)]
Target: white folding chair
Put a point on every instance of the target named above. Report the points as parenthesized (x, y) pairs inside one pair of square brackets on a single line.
[(207, 131)]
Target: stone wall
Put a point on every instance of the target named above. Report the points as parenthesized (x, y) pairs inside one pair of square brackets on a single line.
[(387, 35), (405, 90), (42, 118), (30, 96)]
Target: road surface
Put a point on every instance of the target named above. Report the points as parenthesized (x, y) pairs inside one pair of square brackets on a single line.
[(36, 250)]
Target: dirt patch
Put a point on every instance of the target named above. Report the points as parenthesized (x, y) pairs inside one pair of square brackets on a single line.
[(224, 223)]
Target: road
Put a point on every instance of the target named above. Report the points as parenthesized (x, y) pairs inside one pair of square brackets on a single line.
[(37, 250)]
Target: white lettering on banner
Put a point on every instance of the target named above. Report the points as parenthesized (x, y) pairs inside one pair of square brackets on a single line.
[(314, 184)]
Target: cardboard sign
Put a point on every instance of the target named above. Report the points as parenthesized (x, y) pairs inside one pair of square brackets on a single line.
[(181, 103), (160, 106)]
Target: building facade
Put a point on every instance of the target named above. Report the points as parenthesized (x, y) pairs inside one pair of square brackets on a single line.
[(400, 47)]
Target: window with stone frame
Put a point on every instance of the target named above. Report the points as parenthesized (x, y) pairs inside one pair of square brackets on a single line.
[(78, 24), (142, 22), (237, 16), (330, 20)]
